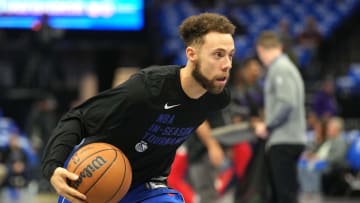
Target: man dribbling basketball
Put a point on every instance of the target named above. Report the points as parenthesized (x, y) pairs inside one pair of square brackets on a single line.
[(151, 114)]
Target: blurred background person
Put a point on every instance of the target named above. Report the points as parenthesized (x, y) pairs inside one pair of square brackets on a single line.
[(18, 167), (3, 169), (246, 91), (41, 69), (284, 125), (39, 125), (324, 102), (310, 37), (327, 156), (18, 163), (246, 107), (287, 38)]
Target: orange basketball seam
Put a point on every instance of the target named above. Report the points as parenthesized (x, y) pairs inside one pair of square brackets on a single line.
[(99, 177), (121, 186), (122, 181), (85, 158)]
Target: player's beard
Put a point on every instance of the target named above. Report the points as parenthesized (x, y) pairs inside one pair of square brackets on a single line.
[(207, 84)]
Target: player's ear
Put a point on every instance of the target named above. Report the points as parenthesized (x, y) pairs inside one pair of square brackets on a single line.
[(191, 54)]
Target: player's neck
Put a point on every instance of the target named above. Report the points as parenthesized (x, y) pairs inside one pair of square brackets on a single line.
[(190, 86)]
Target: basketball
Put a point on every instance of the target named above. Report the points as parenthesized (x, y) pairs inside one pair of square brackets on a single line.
[(104, 172)]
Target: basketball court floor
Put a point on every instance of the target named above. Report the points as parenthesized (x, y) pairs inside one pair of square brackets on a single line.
[(22, 196)]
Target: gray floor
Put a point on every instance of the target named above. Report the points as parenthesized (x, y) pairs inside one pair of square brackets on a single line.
[(29, 197), (342, 200), (227, 198)]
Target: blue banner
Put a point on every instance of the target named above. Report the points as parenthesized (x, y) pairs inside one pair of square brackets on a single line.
[(74, 14)]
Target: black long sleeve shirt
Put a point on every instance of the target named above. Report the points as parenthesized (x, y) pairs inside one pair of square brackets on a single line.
[(147, 117)]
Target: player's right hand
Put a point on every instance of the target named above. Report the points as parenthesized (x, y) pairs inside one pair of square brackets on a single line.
[(59, 181)]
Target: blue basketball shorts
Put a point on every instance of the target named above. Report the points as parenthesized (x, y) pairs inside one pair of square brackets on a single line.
[(144, 194)]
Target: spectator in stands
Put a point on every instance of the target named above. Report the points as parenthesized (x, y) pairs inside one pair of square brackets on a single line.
[(315, 130), (328, 155), (319, 135), (287, 39), (324, 103), (41, 121), (16, 161), (311, 36), (283, 30), (246, 91), (40, 71), (308, 41), (3, 169), (39, 125), (232, 12), (45, 35), (246, 106)]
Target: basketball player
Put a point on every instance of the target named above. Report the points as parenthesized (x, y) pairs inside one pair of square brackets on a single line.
[(284, 118), (151, 114)]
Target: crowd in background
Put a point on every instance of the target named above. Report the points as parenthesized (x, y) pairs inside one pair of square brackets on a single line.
[(50, 82)]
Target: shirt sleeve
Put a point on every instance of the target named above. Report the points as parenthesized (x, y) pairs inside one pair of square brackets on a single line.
[(284, 90), (91, 118)]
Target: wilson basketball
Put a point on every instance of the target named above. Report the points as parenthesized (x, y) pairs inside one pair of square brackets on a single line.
[(104, 172)]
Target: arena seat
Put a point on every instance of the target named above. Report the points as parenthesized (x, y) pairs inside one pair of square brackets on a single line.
[(256, 17)]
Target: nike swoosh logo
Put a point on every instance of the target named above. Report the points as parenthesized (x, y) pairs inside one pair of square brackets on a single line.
[(171, 106)]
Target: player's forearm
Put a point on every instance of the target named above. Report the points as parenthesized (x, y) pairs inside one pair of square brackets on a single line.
[(65, 136)]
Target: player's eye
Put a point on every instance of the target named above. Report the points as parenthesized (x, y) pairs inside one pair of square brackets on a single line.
[(219, 54)]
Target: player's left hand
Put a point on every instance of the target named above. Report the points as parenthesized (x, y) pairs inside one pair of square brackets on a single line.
[(216, 154)]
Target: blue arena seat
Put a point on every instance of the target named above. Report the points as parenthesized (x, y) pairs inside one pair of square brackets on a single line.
[(8, 128), (257, 17), (353, 155)]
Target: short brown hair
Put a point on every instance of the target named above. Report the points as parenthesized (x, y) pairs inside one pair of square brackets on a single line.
[(195, 27), (268, 39)]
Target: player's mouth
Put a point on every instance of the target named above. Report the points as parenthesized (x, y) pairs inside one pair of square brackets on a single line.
[(221, 80)]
